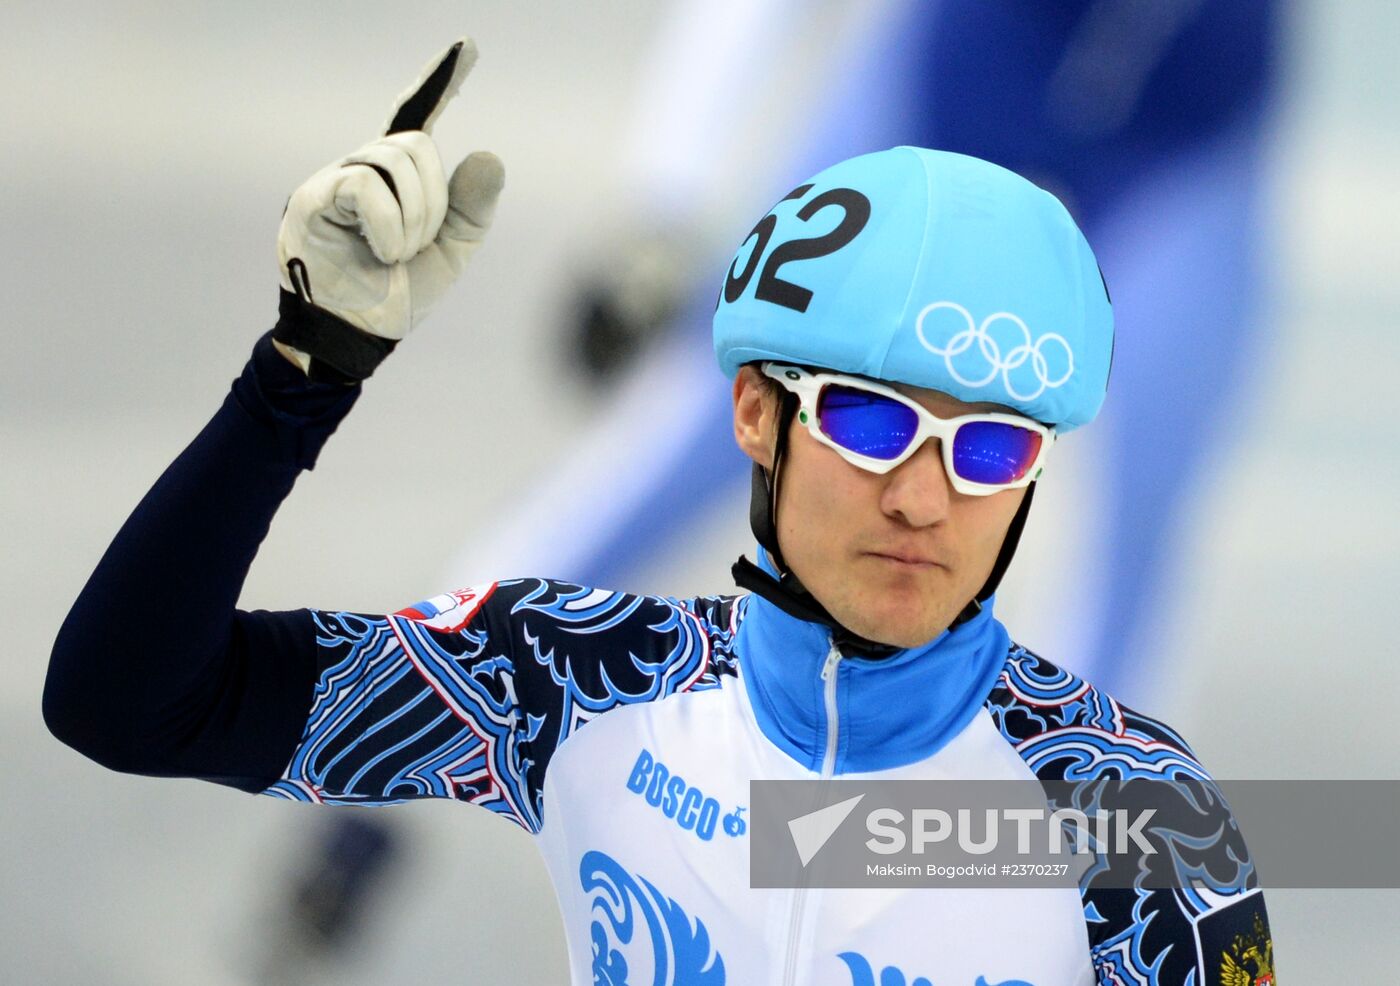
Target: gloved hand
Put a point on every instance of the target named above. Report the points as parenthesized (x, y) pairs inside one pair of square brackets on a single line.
[(370, 243)]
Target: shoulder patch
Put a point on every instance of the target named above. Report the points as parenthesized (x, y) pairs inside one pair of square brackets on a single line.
[(1234, 945), (451, 611)]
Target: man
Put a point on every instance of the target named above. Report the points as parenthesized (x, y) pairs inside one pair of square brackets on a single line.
[(908, 334)]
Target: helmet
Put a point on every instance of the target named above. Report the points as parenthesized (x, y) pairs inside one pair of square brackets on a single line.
[(926, 268)]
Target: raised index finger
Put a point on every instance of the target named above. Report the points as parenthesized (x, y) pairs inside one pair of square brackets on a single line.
[(417, 108)]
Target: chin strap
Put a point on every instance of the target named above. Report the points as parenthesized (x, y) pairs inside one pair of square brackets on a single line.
[(1008, 549), (763, 494), (791, 596)]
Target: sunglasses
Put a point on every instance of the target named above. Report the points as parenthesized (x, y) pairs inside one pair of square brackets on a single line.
[(876, 428)]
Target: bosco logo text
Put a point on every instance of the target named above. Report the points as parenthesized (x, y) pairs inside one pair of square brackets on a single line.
[(691, 808)]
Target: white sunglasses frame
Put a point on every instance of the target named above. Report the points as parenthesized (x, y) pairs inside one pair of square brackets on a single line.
[(808, 387)]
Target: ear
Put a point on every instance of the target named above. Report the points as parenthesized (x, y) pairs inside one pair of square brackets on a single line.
[(755, 416)]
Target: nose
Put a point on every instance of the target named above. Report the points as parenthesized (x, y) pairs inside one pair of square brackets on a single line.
[(917, 490)]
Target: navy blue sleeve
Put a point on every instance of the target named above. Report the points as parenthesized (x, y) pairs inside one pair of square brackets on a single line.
[(154, 670), (463, 696)]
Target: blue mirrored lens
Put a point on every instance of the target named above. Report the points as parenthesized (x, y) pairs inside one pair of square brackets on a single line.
[(870, 424), (993, 452)]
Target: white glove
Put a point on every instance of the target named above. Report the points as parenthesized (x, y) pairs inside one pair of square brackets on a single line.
[(371, 242)]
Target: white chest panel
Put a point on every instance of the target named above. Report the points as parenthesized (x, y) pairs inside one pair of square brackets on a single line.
[(645, 836)]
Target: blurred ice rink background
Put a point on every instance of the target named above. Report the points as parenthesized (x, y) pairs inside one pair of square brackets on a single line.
[(148, 150)]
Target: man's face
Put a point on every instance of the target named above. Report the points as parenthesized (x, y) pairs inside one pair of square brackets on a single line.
[(895, 557)]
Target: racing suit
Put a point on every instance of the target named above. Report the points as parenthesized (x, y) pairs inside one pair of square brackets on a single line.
[(622, 730)]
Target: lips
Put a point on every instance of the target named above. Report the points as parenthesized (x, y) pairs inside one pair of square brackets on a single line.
[(911, 559)]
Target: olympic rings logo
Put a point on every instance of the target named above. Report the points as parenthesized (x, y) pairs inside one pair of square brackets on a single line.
[(991, 353)]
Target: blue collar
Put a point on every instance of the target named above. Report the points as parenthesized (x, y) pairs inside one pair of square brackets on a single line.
[(889, 712)]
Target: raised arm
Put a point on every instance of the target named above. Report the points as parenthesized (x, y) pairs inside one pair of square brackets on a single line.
[(154, 670)]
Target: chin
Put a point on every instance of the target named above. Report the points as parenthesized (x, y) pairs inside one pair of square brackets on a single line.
[(897, 632), (900, 612)]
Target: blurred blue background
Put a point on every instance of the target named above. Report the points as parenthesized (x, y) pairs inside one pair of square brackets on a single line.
[(148, 152)]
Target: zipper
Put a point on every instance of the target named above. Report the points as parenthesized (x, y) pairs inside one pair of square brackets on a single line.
[(799, 893), (833, 658)]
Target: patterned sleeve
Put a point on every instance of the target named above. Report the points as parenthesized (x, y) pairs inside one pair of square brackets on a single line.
[(1193, 912), (467, 695)]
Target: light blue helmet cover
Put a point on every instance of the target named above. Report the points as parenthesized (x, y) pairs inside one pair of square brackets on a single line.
[(927, 268)]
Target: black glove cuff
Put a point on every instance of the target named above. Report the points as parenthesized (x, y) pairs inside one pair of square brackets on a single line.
[(339, 351)]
